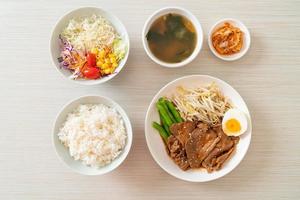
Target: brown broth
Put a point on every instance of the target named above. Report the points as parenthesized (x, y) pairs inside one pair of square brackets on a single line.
[(172, 38)]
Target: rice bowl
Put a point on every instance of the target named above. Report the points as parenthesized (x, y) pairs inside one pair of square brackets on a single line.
[(94, 134), (78, 165)]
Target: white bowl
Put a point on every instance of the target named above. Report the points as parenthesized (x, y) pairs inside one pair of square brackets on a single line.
[(63, 152), (157, 147), (246, 39), (180, 11), (81, 12)]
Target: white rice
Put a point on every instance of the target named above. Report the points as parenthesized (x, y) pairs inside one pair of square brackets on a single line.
[(94, 133)]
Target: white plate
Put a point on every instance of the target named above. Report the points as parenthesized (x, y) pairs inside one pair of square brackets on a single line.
[(157, 148), (82, 12), (63, 152)]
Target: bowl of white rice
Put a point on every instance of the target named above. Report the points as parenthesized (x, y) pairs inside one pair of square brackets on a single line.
[(92, 135)]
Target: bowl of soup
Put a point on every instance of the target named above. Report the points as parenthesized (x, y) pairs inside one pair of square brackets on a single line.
[(172, 37)]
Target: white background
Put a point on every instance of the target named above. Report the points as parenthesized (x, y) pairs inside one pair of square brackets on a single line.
[(32, 93)]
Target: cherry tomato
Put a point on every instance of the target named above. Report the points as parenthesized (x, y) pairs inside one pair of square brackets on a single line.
[(91, 72), (91, 59)]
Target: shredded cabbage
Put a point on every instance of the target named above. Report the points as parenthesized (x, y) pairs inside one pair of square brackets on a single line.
[(85, 33)]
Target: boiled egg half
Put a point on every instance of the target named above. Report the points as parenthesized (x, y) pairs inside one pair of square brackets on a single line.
[(234, 122)]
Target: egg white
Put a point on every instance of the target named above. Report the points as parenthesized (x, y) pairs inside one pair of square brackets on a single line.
[(237, 115)]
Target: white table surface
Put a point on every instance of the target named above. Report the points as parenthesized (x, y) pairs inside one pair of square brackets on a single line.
[(32, 93)]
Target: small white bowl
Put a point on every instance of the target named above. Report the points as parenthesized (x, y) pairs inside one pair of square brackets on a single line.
[(246, 39), (81, 12), (180, 11), (156, 145), (63, 152)]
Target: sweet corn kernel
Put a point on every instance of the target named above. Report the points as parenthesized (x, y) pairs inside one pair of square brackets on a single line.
[(111, 55), (94, 50), (102, 54), (107, 60), (112, 70), (113, 60), (99, 63), (107, 71), (105, 65), (114, 64)]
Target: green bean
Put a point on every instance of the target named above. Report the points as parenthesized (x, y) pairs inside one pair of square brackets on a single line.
[(161, 130), (161, 99), (174, 111), (164, 124), (163, 102), (164, 114)]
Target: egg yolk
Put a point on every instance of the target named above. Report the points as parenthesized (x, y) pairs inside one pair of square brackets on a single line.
[(233, 125)]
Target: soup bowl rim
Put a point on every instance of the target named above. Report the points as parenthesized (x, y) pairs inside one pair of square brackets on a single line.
[(181, 11)]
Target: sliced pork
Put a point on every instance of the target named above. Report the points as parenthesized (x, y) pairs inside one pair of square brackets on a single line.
[(182, 131), (177, 152), (221, 152), (199, 145), (196, 145)]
